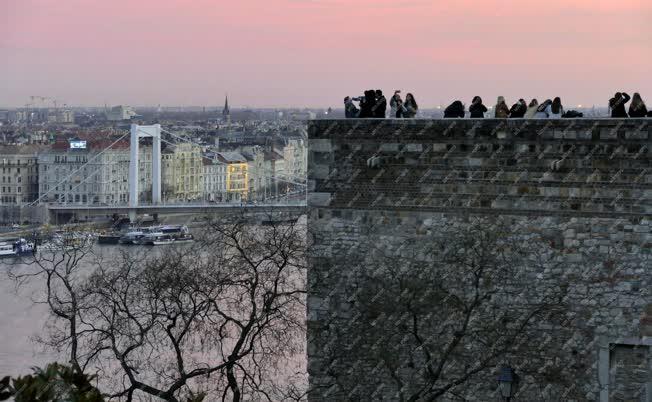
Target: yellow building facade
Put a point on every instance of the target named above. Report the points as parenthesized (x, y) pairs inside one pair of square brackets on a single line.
[(237, 175)]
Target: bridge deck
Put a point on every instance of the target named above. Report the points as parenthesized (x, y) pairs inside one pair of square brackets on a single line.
[(177, 208)]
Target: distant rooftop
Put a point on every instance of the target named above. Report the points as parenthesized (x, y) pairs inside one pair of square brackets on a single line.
[(231, 157)]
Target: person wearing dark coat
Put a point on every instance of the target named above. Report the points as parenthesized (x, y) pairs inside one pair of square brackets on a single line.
[(617, 104), (367, 104), (477, 109), (350, 110), (380, 108), (637, 108), (518, 109), (455, 109)]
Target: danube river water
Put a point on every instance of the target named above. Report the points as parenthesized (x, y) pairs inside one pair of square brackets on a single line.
[(22, 319)]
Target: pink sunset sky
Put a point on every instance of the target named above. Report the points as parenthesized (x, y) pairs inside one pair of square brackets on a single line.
[(268, 53)]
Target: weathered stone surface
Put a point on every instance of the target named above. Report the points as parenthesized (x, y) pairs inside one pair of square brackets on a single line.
[(583, 184)]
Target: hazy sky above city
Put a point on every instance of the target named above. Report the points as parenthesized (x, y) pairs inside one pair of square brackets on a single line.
[(314, 52)]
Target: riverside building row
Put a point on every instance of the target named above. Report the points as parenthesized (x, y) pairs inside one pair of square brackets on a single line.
[(87, 171)]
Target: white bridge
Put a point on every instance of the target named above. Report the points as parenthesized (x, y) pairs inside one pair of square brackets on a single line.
[(295, 201), (138, 132)]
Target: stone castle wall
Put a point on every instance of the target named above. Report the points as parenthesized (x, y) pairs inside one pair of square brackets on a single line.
[(586, 185)]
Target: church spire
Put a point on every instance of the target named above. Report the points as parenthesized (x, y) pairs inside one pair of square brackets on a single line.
[(226, 112)]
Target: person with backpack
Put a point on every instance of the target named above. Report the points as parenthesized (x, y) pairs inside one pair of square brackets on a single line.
[(637, 108), (518, 109), (617, 104), (477, 109)]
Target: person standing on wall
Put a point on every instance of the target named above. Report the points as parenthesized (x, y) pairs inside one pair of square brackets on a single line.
[(617, 104), (477, 109)]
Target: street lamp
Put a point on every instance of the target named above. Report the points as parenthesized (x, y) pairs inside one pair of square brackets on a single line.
[(508, 383)]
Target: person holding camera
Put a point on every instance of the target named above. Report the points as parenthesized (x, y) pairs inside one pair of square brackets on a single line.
[(617, 104), (477, 109), (350, 110), (367, 104)]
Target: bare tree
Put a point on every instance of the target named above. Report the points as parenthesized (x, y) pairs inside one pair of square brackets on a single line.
[(56, 266), (215, 317), (223, 317), (434, 315)]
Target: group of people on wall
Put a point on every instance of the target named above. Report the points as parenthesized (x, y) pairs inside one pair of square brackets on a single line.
[(548, 109), (374, 104)]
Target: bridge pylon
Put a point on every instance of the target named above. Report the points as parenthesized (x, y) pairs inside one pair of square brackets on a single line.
[(137, 132)]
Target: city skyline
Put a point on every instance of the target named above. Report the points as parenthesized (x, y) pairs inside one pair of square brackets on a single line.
[(291, 53)]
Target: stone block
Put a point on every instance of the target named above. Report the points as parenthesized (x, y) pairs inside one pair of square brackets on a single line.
[(320, 145), (319, 199)]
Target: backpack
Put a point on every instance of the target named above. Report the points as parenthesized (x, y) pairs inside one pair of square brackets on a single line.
[(573, 114)]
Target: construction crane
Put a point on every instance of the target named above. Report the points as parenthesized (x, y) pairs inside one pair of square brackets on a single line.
[(43, 99), (27, 112)]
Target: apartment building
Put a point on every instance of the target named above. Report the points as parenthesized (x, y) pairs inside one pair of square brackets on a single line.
[(19, 174), (214, 180), (89, 172), (181, 173)]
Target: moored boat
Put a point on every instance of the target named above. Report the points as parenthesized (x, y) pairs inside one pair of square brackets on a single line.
[(132, 237), (162, 240), (168, 234), (108, 239), (16, 248)]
